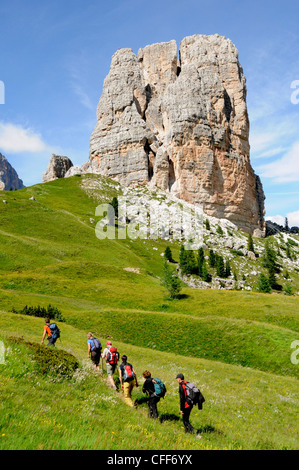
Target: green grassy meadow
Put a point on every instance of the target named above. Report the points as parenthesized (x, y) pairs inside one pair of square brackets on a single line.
[(235, 345)]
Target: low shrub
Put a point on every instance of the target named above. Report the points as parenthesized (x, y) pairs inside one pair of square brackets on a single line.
[(237, 252), (50, 312), (50, 361)]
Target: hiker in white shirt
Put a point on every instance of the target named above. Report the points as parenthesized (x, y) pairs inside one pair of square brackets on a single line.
[(112, 356)]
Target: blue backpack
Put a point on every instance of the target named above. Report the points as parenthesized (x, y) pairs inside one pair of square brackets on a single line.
[(97, 344), (160, 388), (55, 331)]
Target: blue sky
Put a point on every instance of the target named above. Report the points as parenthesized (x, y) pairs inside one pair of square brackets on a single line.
[(54, 56)]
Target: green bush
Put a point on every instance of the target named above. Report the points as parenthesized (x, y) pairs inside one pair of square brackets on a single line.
[(250, 245), (220, 266), (171, 282), (200, 260), (227, 268), (288, 289), (212, 259), (206, 277), (264, 284), (292, 242), (237, 252), (188, 263), (168, 254), (269, 259), (50, 361), (50, 312)]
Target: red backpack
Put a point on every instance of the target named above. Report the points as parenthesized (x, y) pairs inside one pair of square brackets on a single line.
[(112, 356), (128, 373)]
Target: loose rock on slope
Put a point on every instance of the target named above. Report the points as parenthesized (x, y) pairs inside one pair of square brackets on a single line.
[(57, 168)]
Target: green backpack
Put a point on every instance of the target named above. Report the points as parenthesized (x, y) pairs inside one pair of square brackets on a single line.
[(160, 388)]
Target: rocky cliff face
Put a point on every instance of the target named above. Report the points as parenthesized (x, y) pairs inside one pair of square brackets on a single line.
[(8, 176), (181, 125), (57, 168)]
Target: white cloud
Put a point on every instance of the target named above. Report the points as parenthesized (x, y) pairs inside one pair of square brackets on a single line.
[(272, 152), (274, 133), (284, 170), (259, 142), (17, 139), (293, 219), (278, 219)]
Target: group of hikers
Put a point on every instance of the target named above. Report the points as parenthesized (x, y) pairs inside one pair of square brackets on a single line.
[(154, 388)]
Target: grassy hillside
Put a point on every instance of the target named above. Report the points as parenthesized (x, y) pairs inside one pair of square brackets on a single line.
[(236, 344), (244, 409)]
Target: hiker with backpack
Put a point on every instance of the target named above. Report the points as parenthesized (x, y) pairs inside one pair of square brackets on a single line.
[(156, 390), (127, 377), (94, 350), (190, 395), (112, 356), (52, 331)]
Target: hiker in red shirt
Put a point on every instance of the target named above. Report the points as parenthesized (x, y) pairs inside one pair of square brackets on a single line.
[(112, 356), (185, 407)]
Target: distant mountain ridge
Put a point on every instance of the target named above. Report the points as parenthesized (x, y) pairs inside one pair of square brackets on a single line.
[(8, 176)]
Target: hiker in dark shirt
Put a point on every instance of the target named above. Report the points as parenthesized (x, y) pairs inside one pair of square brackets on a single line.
[(185, 407), (149, 388)]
